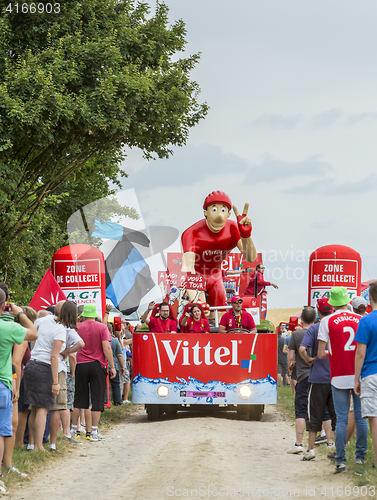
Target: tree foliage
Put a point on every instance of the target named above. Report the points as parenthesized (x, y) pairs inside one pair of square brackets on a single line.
[(75, 88)]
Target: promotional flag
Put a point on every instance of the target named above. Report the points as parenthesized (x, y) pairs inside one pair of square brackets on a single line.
[(128, 277), (48, 293)]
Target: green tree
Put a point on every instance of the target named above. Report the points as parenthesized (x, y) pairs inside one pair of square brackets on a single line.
[(77, 86)]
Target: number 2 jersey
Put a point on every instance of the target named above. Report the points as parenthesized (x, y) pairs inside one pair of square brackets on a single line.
[(339, 330)]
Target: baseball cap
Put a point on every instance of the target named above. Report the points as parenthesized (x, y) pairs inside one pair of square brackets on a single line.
[(89, 311), (323, 305), (339, 296), (236, 298), (359, 303), (217, 197)]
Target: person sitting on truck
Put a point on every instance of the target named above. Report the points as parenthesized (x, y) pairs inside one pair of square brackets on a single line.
[(162, 324), (261, 284), (195, 321), (236, 318)]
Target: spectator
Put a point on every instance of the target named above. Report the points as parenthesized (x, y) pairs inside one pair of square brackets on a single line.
[(118, 358), (301, 395), (338, 330), (359, 305), (67, 316), (41, 374), (127, 355), (10, 332), (91, 370), (282, 358), (365, 384), (320, 395)]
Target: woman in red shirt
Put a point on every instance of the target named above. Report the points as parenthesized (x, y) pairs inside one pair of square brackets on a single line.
[(194, 322)]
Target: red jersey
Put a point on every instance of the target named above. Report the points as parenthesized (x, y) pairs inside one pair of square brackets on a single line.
[(201, 326), (158, 325), (339, 330), (245, 320), (210, 248)]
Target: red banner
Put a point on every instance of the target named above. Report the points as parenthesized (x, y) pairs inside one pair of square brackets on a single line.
[(48, 293)]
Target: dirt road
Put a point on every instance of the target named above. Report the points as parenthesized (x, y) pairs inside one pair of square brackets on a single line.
[(194, 457)]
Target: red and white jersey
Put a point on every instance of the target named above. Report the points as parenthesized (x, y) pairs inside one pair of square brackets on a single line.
[(339, 330)]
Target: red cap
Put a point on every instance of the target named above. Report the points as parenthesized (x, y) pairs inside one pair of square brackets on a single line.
[(323, 305), (235, 298), (217, 197)]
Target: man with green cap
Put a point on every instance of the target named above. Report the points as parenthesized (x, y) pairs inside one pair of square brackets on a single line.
[(338, 332)]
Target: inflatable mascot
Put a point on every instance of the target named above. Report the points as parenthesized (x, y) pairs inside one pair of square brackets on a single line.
[(207, 243)]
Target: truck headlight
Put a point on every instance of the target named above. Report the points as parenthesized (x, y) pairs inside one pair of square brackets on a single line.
[(162, 391), (245, 391)]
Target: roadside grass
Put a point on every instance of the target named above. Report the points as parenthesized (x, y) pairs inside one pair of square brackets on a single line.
[(286, 404), (32, 462)]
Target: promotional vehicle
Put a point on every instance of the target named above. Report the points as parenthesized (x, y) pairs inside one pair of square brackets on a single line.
[(187, 371)]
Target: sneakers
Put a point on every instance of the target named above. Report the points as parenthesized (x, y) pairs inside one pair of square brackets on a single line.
[(71, 439), (95, 437), (13, 469), (296, 448), (54, 450), (3, 488), (330, 446), (359, 469), (340, 468), (331, 455), (82, 429), (74, 435), (126, 401), (320, 439), (308, 455)]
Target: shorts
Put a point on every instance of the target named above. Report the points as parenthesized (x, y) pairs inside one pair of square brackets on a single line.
[(126, 376), (93, 374), (319, 397), (61, 398), (368, 396), (70, 391), (283, 367), (301, 398), (38, 384), (294, 372), (21, 399), (6, 410)]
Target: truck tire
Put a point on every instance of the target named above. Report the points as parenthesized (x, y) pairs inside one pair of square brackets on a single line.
[(256, 412), (154, 412)]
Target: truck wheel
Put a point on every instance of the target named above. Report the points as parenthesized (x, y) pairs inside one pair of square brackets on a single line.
[(154, 412), (256, 412)]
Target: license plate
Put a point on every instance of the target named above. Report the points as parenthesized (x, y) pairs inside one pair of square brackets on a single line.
[(202, 394)]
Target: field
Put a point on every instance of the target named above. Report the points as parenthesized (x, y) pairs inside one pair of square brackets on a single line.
[(278, 315)]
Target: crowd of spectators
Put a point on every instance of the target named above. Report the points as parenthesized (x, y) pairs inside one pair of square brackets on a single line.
[(53, 374)]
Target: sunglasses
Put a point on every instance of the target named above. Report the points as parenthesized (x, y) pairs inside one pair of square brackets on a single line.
[(238, 302)]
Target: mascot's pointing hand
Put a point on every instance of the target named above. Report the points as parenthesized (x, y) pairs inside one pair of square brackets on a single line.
[(244, 222)]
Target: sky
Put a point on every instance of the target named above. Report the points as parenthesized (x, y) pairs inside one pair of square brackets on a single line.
[(291, 130)]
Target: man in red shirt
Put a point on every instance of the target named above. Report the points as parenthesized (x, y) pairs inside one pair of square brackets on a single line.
[(207, 243), (261, 284), (236, 318), (162, 324), (338, 332)]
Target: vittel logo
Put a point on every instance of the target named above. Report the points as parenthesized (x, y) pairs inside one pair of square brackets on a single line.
[(182, 352)]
